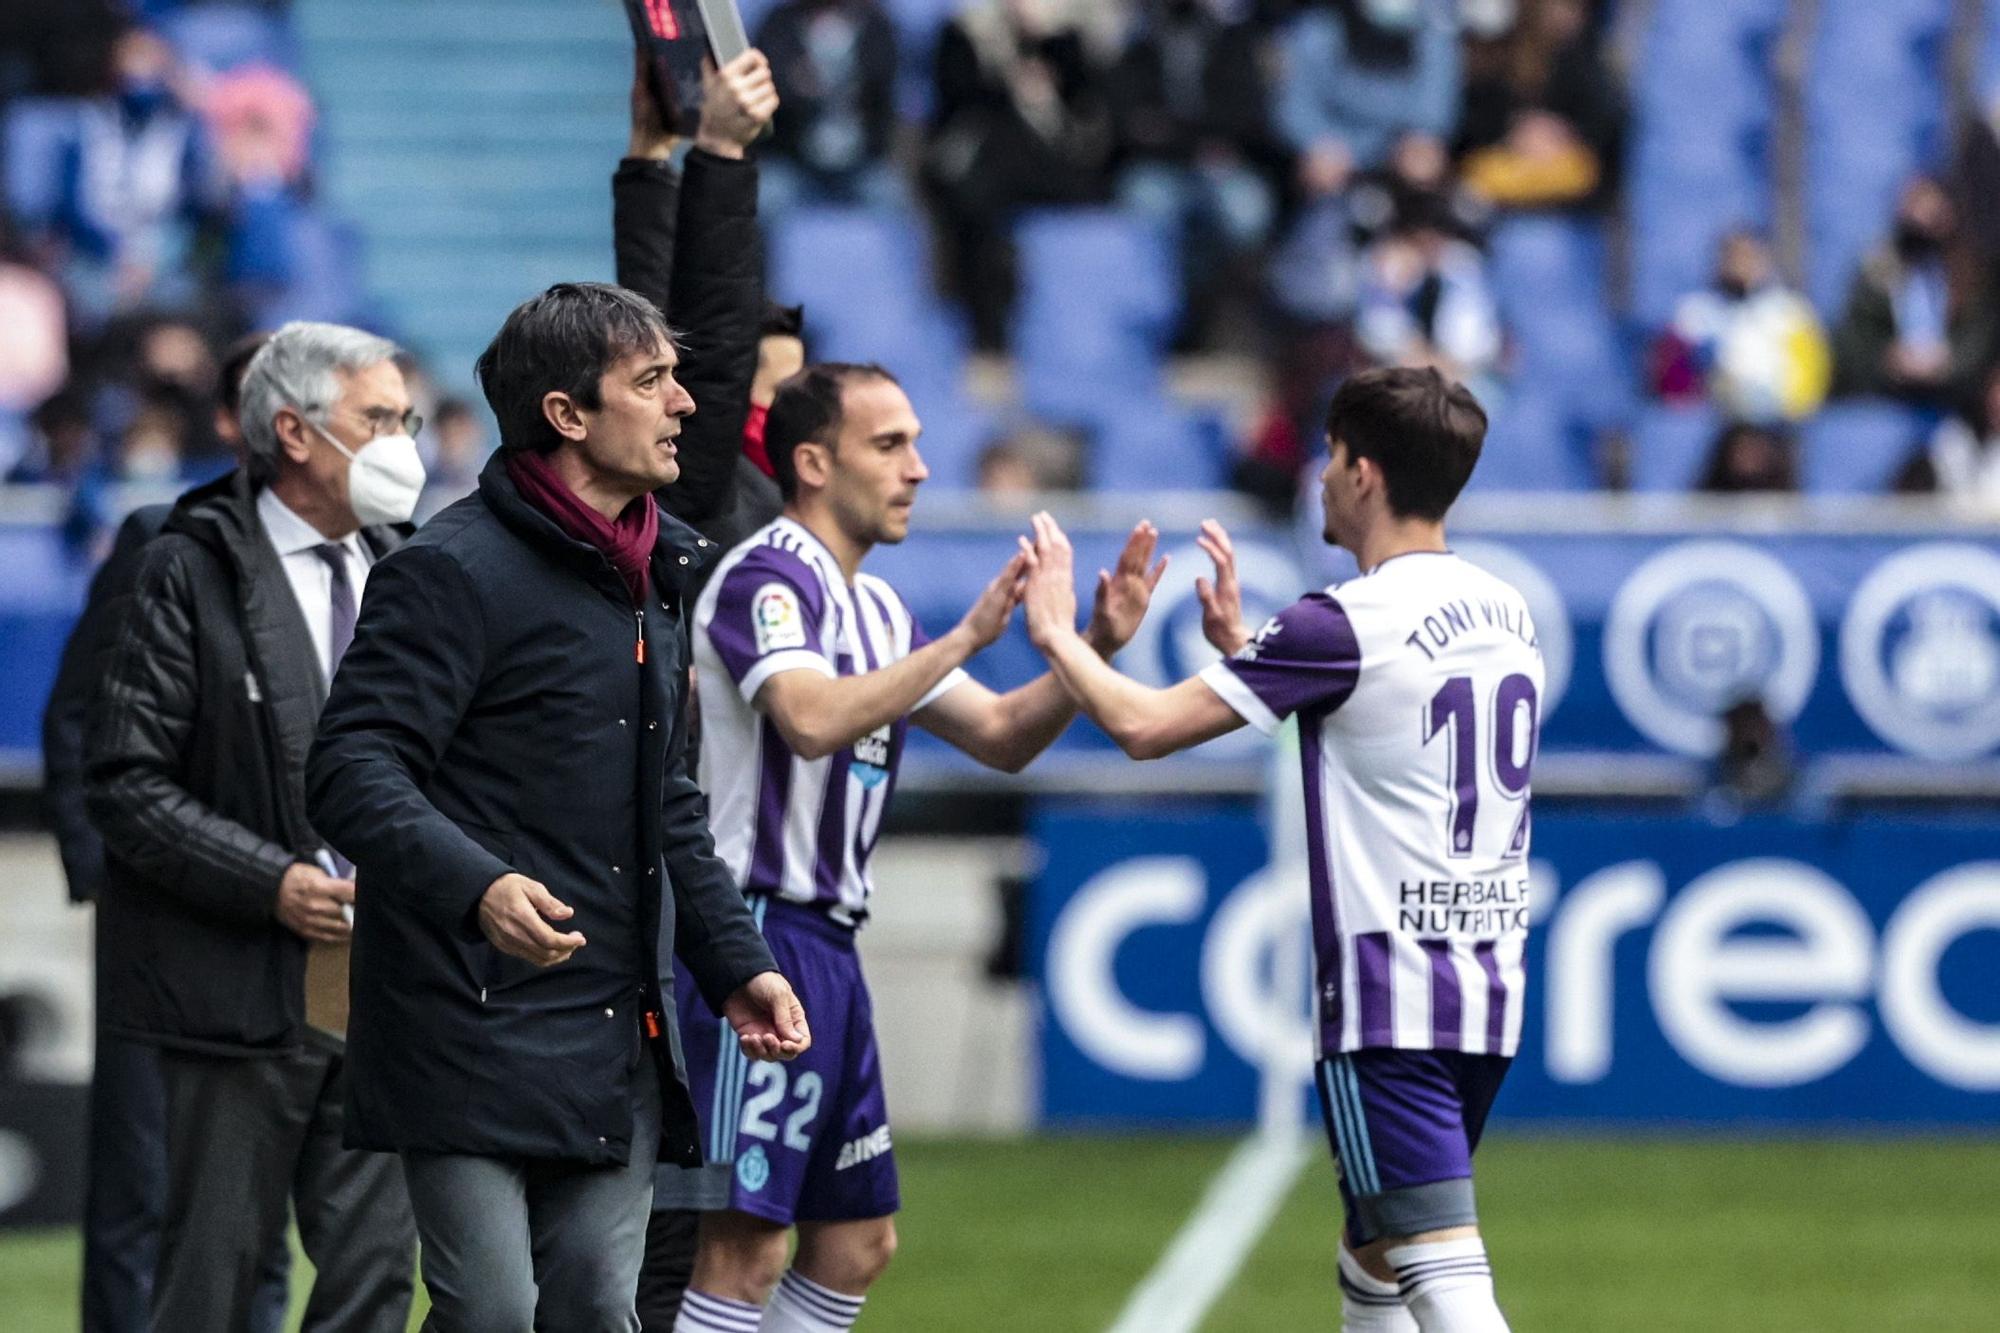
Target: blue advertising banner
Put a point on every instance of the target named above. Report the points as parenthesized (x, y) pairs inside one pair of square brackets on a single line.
[(1773, 972)]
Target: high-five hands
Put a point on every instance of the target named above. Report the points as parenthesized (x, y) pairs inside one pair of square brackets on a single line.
[(1222, 600), (987, 620), (1125, 591), (737, 103), (1049, 593)]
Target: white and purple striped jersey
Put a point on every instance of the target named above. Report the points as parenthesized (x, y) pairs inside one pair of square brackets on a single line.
[(800, 829), (1417, 687)]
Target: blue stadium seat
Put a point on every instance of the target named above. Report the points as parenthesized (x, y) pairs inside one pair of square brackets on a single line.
[(956, 429), (1534, 443), (1549, 275), (221, 37), (1671, 445), (1857, 447), (1148, 443), (1099, 297), (38, 133), (864, 278)]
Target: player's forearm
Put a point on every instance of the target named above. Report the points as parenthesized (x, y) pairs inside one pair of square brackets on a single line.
[(1133, 715), (822, 715), (1028, 720)]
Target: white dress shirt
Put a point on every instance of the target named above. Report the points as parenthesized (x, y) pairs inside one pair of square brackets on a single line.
[(312, 581)]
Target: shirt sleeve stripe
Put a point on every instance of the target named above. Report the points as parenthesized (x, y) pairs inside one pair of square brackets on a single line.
[(1229, 687), (795, 659)]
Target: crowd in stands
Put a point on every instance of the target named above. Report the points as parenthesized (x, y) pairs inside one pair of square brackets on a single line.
[(1333, 184)]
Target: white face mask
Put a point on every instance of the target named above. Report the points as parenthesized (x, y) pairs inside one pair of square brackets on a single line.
[(383, 480)]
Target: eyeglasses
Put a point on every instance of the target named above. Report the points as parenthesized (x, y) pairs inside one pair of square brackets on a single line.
[(381, 421)]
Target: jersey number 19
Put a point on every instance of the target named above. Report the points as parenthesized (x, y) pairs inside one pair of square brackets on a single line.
[(1502, 763)]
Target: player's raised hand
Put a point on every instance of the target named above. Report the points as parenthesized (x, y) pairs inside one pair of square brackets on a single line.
[(1222, 600), (1125, 591), (769, 1021), (1050, 596), (651, 139), (737, 102), (987, 620)]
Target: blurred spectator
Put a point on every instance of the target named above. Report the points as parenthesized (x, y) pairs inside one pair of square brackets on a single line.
[(1195, 143), (1020, 121), (62, 444), (154, 444), (834, 62), (1751, 457), (1027, 462), (1746, 341), (458, 447), (1965, 451), (34, 349), (1755, 769), (132, 181), (1543, 112), (1921, 321), (1425, 301), (1359, 73)]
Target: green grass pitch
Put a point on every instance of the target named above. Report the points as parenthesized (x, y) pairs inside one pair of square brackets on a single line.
[(1586, 1234)]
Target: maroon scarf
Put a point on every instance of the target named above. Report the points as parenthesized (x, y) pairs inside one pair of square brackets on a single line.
[(627, 544)]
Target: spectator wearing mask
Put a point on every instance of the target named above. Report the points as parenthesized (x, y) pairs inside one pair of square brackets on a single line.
[(1020, 121), (1746, 342), (1921, 320), (1196, 150), (225, 914), (1965, 451), (834, 62), (1425, 301), (1357, 75), (133, 183), (1543, 112), (1749, 457)]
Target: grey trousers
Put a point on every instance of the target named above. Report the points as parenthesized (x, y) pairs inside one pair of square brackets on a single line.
[(512, 1245), (244, 1137)]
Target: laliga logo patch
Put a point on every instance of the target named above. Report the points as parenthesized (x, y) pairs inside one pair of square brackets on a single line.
[(753, 1169), (777, 619), (1920, 650), (1700, 626)]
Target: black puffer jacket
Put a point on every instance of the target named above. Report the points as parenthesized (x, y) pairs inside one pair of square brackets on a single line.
[(503, 707), (690, 244), (195, 775)]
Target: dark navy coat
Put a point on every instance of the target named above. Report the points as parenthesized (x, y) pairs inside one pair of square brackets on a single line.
[(504, 707)]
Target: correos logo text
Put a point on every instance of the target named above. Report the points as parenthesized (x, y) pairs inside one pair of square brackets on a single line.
[(1824, 955)]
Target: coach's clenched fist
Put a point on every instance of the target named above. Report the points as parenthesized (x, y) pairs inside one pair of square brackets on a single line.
[(515, 912)]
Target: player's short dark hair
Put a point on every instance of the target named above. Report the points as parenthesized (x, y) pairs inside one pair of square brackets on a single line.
[(807, 407), (235, 364), (1422, 430), (562, 341)]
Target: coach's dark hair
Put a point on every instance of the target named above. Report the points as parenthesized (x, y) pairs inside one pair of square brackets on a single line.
[(806, 408), (563, 340), (1423, 430)]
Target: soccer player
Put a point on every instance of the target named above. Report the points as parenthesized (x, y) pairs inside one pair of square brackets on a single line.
[(1416, 686), (810, 672)]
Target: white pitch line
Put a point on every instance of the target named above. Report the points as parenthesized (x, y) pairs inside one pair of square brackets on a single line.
[(1217, 1237)]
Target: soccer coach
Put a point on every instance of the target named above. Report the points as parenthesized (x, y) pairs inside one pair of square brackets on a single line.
[(504, 759)]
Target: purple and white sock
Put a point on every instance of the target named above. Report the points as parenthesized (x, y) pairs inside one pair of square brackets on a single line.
[(801, 1305), (703, 1313), (1448, 1286)]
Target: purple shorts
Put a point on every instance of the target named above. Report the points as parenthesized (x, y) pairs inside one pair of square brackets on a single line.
[(1404, 1125), (806, 1141)]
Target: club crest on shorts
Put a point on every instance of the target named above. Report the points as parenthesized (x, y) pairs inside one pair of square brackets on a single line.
[(777, 619), (753, 1169)]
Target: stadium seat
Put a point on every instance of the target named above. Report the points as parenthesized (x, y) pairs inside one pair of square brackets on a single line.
[(218, 37), (1549, 276), (38, 133), (1099, 297), (1858, 447), (864, 279), (1670, 446), (1535, 443), (1152, 444)]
